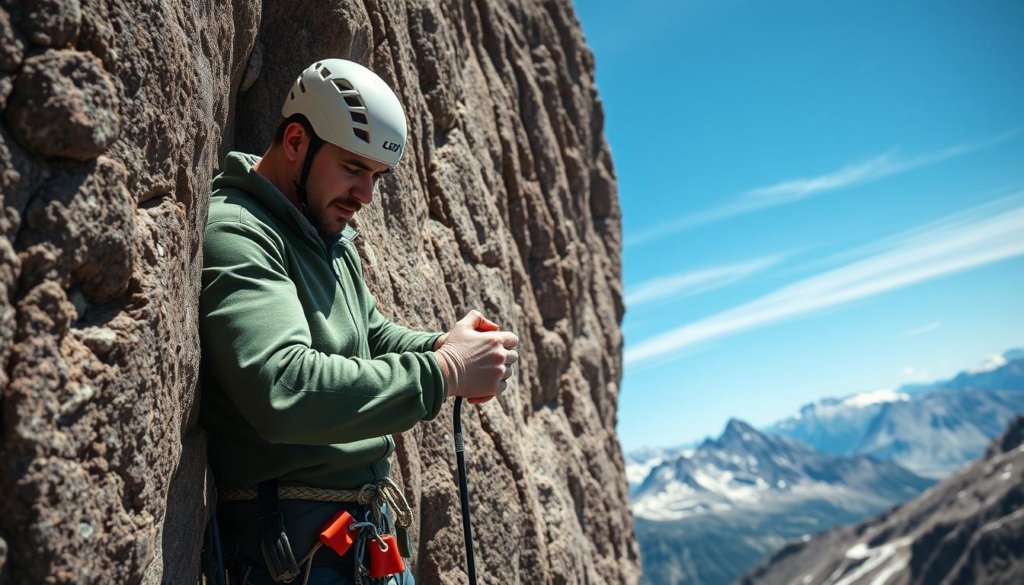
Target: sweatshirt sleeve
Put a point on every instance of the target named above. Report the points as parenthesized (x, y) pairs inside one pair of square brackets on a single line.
[(255, 336), (386, 336)]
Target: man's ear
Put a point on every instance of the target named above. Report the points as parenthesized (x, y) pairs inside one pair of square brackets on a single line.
[(295, 141)]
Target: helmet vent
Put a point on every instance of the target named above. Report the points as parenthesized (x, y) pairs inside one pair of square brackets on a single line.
[(362, 135), (292, 96), (353, 101), (342, 85), (302, 86), (358, 117), (325, 73)]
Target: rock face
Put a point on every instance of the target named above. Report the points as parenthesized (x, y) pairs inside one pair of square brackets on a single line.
[(112, 121), (114, 118), (968, 529)]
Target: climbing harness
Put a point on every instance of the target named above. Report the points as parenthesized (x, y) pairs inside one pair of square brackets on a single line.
[(460, 460), (341, 533)]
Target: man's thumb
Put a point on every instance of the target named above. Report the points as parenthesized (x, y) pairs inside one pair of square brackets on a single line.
[(471, 319), (485, 324), (476, 321)]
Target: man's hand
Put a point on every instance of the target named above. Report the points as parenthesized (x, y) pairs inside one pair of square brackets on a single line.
[(476, 358)]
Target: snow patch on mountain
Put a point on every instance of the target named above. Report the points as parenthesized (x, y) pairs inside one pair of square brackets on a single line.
[(890, 558), (991, 363), (876, 397), (641, 462), (636, 473)]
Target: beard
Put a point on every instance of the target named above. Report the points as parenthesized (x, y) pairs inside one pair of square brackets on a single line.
[(325, 226), (326, 220)]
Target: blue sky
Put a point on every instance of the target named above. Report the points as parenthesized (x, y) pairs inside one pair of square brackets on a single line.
[(819, 198)]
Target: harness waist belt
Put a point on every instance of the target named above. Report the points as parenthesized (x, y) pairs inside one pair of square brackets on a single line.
[(286, 492), (374, 495)]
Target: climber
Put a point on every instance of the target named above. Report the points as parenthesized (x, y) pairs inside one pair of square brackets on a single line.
[(303, 379)]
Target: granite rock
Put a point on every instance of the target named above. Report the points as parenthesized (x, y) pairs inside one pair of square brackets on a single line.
[(64, 104), (111, 131), (52, 23)]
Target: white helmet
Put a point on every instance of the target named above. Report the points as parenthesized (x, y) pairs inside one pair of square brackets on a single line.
[(350, 106)]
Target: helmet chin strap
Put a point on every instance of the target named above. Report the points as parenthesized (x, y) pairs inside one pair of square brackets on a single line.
[(315, 142)]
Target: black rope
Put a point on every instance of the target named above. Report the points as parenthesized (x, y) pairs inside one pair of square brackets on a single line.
[(460, 460)]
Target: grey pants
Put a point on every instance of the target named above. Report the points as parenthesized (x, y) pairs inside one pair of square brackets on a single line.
[(303, 522)]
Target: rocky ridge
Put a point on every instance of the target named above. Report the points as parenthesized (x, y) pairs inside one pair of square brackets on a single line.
[(114, 118)]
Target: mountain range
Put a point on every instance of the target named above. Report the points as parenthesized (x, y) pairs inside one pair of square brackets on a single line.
[(705, 514), (705, 517), (931, 430)]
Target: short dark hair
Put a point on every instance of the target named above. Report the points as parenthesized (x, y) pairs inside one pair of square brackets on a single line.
[(300, 118)]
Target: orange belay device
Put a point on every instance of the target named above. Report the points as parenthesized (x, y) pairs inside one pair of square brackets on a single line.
[(336, 534), (339, 535), (384, 557)]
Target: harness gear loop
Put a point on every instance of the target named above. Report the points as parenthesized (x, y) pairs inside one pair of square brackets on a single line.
[(361, 527), (375, 573)]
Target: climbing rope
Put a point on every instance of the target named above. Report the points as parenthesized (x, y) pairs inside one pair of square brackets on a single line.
[(460, 459)]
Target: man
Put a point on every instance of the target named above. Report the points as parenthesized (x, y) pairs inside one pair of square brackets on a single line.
[(303, 380)]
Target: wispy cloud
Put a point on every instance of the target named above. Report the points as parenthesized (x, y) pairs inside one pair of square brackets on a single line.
[(978, 236), (696, 282), (885, 165), (922, 330)]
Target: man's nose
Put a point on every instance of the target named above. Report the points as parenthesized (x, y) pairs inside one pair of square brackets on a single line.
[(363, 190)]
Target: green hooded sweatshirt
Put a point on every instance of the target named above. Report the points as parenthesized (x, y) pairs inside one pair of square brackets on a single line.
[(303, 379)]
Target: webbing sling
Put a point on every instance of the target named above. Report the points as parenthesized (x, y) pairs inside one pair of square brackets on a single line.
[(277, 551)]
